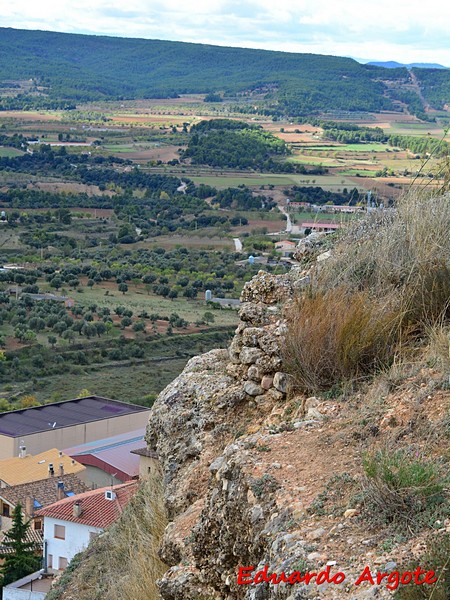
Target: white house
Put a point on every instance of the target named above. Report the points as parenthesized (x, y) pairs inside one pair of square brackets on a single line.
[(70, 524)]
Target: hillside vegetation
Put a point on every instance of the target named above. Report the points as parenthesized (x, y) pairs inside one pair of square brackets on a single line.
[(281, 478), (86, 67), (384, 292)]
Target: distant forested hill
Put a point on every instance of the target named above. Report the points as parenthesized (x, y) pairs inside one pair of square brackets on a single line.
[(87, 67)]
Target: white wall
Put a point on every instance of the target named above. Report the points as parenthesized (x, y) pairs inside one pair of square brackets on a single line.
[(17, 594), (77, 538)]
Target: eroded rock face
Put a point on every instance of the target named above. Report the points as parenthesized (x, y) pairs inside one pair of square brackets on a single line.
[(229, 508), (267, 288), (208, 494)]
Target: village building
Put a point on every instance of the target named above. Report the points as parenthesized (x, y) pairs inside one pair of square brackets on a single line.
[(27, 467), (66, 424), (35, 495), (70, 524), (285, 247), (109, 461), (307, 228), (149, 465), (32, 587)]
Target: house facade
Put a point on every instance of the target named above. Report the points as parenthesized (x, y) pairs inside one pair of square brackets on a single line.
[(64, 539), (70, 524)]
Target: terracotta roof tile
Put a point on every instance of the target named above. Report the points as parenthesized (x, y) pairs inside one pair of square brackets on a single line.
[(96, 510), (32, 536), (45, 491)]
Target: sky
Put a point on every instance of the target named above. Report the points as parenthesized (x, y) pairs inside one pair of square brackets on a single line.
[(402, 30)]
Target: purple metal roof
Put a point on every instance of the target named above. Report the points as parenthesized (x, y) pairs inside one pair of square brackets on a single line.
[(113, 454), (63, 414)]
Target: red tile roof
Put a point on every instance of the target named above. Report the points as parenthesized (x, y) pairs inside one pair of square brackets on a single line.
[(96, 510), (45, 491)]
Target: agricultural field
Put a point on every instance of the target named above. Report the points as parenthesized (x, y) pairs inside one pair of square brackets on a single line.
[(114, 210)]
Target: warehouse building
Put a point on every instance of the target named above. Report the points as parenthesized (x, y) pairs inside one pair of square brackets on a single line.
[(66, 424)]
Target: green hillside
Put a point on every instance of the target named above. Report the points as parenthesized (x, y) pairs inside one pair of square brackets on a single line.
[(85, 67)]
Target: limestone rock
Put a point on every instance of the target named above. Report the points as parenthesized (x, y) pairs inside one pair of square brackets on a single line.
[(252, 389), (281, 381), (266, 382), (254, 373)]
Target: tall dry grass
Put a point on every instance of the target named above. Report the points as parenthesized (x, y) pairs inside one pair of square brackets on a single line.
[(123, 563), (386, 284), (337, 336)]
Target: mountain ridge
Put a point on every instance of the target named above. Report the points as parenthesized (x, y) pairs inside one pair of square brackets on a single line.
[(80, 67)]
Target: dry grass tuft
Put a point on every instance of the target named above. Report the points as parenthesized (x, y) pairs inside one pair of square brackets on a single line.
[(386, 285), (337, 336), (404, 489)]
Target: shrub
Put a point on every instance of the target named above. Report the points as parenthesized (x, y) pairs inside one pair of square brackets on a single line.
[(403, 490), (338, 335), (386, 284)]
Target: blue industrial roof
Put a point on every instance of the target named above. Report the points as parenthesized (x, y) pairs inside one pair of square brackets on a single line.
[(63, 414)]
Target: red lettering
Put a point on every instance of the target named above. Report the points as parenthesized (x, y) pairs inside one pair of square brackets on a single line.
[(405, 581), (243, 575), (282, 578), (380, 577), (262, 576), (433, 578), (417, 573), (272, 578), (339, 577), (308, 577), (393, 580), (323, 576), (295, 577), (259, 577), (366, 575)]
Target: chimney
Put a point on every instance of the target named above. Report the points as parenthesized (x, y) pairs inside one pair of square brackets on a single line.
[(77, 510), (29, 507), (60, 490), (51, 470), (60, 453), (22, 451), (61, 469)]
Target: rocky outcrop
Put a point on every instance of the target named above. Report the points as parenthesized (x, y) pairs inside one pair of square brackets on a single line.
[(247, 466), (219, 397)]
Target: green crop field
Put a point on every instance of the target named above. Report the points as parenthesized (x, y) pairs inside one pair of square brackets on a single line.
[(138, 300), (256, 179), (349, 148), (8, 152)]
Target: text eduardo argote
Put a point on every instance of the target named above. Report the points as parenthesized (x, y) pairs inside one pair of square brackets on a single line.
[(393, 579)]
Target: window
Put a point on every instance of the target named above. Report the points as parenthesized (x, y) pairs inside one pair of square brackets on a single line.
[(50, 561), (38, 524), (60, 532), (6, 510), (62, 563)]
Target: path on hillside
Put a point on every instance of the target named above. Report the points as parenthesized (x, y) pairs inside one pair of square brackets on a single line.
[(418, 90), (288, 219)]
